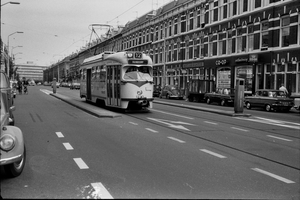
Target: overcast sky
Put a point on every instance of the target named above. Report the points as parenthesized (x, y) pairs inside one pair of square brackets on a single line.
[(53, 29)]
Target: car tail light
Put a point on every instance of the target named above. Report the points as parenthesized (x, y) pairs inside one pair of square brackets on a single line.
[(7, 142)]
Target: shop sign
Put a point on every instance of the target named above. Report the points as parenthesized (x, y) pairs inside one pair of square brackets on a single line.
[(221, 62), (240, 60), (193, 65), (253, 58)]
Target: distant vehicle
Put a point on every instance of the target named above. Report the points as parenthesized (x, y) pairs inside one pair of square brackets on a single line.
[(47, 83), (171, 92), (222, 96), (12, 146), (75, 86), (156, 90), (269, 100)]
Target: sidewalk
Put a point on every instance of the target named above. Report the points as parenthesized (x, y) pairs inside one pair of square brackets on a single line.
[(100, 112)]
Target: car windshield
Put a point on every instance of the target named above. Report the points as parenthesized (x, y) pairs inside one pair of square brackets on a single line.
[(138, 73), (2, 108)]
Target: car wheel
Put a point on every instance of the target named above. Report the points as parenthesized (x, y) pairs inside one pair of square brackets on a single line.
[(208, 101), (15, 169), (223, 102), (248, 105), (268, 108)]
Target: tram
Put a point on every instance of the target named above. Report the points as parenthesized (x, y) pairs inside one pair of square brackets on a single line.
[(118, 79)]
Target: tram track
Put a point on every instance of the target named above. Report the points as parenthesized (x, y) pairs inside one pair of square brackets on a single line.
[(217, 143)]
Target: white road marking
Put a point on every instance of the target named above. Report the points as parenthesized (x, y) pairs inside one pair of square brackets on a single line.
[(149, 129), (210, 122), (172, 124), (177, 140), (212, 153), (279, 138), (173, 114), (273, 122), (239, 129), (68, 146), (100, 191), (46, 91), (59, 134), (133, 123), (273, 175), (81, 164)]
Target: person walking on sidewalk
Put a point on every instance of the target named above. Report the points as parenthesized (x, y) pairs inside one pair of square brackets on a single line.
[(282, 88)]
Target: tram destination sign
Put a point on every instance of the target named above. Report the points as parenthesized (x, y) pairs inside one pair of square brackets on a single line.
[(138, 62)]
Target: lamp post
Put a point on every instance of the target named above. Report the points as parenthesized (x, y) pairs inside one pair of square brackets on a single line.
[(8, 49), (10, 2)]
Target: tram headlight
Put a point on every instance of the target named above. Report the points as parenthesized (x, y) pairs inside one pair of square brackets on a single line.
[(129, 55)]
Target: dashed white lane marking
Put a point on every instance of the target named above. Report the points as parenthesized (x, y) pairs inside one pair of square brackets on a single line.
[(81, 164), (273, 175), (100, 191), (173, 114), (149, 129), (212, 153), (133, 123), (177, 140), (68, 146), (239, 129), (59, 134), (210, 122), (279, 138)]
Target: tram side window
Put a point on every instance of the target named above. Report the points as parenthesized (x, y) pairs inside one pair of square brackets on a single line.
[(97, 72), (102, 73), (93, 72), (84, 74)]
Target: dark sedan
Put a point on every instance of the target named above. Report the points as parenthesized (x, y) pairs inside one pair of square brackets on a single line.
[(269, 100), (171, 92), (222, 96)]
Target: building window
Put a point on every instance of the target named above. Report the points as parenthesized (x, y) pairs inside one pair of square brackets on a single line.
[(241, 40), (170, 28), (250, 38), (191, 21), (232, 8), (175, 26), (264, 34), (222, 43), (183, 23)]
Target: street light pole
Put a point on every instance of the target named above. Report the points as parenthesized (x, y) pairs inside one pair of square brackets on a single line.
[(8, 51)]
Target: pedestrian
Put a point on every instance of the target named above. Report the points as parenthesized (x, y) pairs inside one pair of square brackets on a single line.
[(282, 88), (19, 85)]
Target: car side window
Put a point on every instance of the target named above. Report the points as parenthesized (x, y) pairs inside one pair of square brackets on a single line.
[(258, 93), (265, 93)]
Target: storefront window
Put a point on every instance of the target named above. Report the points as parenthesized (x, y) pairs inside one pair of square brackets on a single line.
[(223, 77), (281, 68), (245, 72)]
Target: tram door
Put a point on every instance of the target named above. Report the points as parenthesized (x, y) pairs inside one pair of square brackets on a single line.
[(88, 84), (113, 86)]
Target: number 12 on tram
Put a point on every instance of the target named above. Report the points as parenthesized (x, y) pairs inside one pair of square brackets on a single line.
[(122, 80)]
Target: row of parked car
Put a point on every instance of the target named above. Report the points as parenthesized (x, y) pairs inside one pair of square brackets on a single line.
[(267, 99), (72, 86), (12, 145)]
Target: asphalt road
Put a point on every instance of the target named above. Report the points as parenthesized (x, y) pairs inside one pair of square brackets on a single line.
[(169, 152)]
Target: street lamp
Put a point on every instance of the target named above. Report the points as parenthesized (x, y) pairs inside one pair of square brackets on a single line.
[(10, 2), (12, 48), (8, 49)]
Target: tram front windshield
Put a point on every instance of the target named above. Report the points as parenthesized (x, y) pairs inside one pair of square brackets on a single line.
[(141, 73)]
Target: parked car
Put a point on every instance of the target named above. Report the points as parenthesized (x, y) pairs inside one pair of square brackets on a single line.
[(270, 100), (296, 98), (75, 86), (12, 146), (156, 90), (171, 92), (6, 90), (223, 96)]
